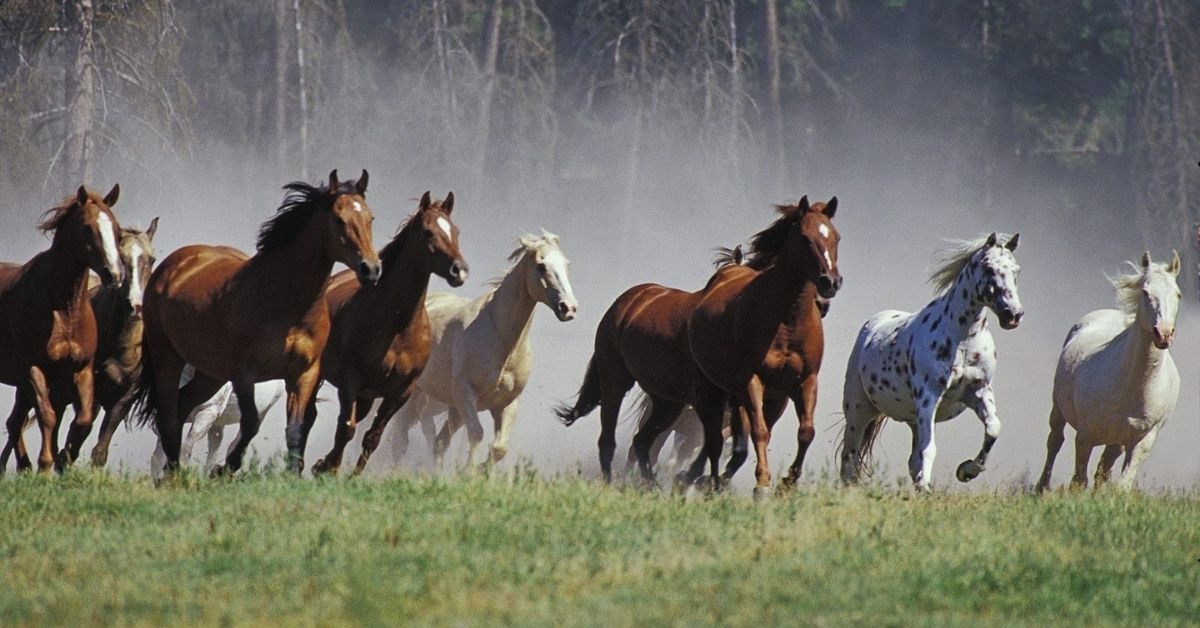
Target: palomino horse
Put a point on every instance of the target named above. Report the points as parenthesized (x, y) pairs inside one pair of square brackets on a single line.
[(481, 357), (210, 419), (119, 322), (252, 319), (929, 366), (380, 338), (757, 335), (1116, 384), (47, 327)]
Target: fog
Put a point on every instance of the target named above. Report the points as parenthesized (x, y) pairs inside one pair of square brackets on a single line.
[(897, 205)]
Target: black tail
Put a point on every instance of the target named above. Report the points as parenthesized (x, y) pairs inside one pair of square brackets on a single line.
[(144, 408), (588, 399)]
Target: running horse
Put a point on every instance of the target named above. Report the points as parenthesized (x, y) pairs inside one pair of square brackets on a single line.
[(48, 329), (380, 339), (757, 335), (244, 319)]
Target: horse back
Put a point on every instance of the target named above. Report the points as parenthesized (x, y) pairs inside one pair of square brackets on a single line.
[(646, 327)]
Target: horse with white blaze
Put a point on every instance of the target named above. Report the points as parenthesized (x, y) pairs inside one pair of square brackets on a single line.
[(481, 357), (1116, 384), (929, 366)]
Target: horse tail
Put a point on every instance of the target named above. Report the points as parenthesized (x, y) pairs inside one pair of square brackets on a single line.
[(8, 447), (870, 433), (143, 410), (588, 398)]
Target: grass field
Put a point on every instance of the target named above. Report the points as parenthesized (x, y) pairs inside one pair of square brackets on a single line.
[(92, 548)]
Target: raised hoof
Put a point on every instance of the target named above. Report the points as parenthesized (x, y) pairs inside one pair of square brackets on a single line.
[(320, 467), (762, 494), (968, 470)]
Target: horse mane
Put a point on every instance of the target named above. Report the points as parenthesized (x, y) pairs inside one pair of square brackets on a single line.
[(954, 257), (1129, 285), (767, 244), (724, 256), (525, 244), (54, 217), (299, 204)]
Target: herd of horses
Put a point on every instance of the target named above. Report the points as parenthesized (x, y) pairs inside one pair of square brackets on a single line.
[(214, 336)]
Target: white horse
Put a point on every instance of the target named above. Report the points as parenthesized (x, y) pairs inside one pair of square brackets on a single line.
[(1115, 383), (210, 419), (481, 356), (929, 366)]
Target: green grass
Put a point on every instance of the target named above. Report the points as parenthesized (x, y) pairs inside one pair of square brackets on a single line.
[(93, 548)]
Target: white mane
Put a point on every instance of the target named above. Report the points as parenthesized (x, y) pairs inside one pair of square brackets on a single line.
[(952, 259), (526, 244), (1129, 285)]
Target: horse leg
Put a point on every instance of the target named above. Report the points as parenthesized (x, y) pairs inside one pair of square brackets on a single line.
[(168, 367), (920, 462), (466, 414), (1054, 442), (984, 405), (46, 415), (387, 410), (216, 434), (83, 398), (805, 401), (1083, 452), (347, 423), (243, 389), (663, 413), (862, 419), (1107, 459), (504, 419), (300, 417), (17, 420), (158, 459), (760, 435), (1135, 455), (114, 415), (412, 412), (739, 431), (202, 420)]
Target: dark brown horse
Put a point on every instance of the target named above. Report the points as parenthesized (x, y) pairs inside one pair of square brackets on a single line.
[(119, 322), (380, 339), (47, 327), (757, 333), (642, 339), (244, 319)]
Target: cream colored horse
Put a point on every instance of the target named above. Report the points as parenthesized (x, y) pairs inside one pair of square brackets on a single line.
[(481, 357), (1116, 384)]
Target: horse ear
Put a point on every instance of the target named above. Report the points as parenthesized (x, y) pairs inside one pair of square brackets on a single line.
[(831, 208), (110, 199), (1011, 245), (425, 202), (448, 204), (152, 229), (1146, 260), (803, 204), (1175, 264), (333, 180), (528, 241), (81, 195), (360, 186), (991, 241)]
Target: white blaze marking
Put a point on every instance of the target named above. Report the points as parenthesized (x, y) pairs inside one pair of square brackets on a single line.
[(445, 225), (106, 237), (824, 231), (135, 280), (827, 259), (357, 206)]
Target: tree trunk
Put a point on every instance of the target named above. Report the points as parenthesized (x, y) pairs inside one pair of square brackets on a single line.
[(300, 71), (487, 65), (80, 94), (774, 101), (735, 92), (283, 33)]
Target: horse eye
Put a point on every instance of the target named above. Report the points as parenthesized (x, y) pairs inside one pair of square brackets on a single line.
[(428, 234), (541, 267)]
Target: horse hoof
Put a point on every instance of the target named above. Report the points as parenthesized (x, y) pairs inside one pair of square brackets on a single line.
[(968, 470), (321, 467), (218, 471), (762, 494)]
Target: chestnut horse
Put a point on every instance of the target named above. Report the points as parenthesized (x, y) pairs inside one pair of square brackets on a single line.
[(244, 319), (757, 335), (47, 327), (380, 339)]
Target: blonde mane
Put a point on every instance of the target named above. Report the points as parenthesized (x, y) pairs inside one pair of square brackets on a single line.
[(525, 244), (1129, 285), (952, 259)]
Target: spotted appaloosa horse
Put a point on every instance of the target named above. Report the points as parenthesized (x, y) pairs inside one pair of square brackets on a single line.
[(929, 366)]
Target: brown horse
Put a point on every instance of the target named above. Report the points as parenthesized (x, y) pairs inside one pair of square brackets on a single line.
[(244, 319), (380, 339), (642, 339), (47, 327), (119, 322), (757, 333)]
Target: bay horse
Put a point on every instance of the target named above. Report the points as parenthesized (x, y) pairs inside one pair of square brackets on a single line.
[(758, 336), (380, 339), (1116, 383), (481, 357), (48, 332), (244, 319), (931, 365)]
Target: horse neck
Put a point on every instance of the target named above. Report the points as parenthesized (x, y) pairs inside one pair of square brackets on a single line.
[(510, 307), (1140, 357), (963, 314), (68, 274), (403, 285), (789, 296), (120, 333), (295, 274)]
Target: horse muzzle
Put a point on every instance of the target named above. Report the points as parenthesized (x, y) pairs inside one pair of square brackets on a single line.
[(1164, 338), (828, 286), (1010, 320), (368, 272), (565, 311)]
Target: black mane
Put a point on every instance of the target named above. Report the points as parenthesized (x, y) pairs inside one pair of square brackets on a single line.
[(766, 245), (301, 202)]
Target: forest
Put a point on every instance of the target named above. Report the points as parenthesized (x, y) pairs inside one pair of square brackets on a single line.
[(537, 103)]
